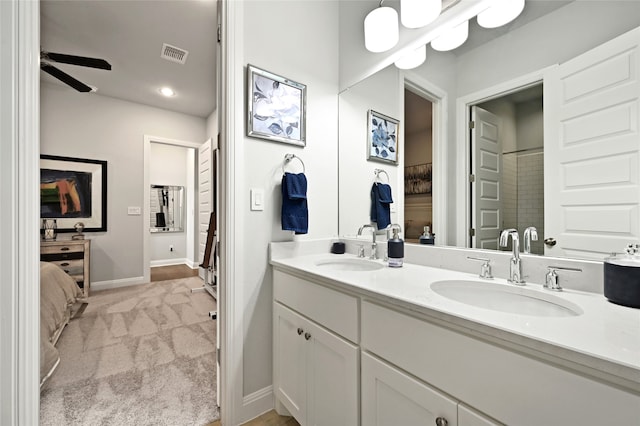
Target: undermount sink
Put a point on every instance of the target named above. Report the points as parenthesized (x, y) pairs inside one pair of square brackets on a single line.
[(350, 264), (504, 298)]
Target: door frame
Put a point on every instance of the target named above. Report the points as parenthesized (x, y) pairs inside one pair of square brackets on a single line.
[(463, 143), (146, 220), (440, 198)]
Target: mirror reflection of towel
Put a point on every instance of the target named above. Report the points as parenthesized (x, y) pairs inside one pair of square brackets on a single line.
[(295, 212), (380, 204)]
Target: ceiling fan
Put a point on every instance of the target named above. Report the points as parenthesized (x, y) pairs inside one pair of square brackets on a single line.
[(83, 61)]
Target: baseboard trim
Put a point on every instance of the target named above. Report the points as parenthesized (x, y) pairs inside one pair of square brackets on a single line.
[(256, 404), (125, 282), (170, 262)]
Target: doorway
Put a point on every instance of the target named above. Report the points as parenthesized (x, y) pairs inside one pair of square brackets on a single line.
[(507, 167), (418, 163)]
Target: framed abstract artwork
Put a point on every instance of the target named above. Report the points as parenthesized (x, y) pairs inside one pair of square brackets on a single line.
[(382, 140), (74, 190), (276, 107)]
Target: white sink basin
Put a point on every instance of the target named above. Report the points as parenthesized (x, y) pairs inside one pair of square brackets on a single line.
[(350, 264), (505, 298)]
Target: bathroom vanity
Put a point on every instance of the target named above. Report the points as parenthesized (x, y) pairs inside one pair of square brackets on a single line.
[(356, 342)]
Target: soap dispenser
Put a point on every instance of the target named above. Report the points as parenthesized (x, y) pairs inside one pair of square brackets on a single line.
[(426, 237), (395, 248)]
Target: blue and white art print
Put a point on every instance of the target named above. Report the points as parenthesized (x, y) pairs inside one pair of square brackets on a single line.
[(382, 140), (276, 107)]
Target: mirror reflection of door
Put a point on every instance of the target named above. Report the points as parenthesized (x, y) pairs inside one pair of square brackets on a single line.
[(507, 183), (418, 158)]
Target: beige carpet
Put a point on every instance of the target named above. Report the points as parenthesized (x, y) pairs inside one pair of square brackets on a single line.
[(141, 355)]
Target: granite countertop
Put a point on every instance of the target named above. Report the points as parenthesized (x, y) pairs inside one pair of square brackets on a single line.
[(603, 341)]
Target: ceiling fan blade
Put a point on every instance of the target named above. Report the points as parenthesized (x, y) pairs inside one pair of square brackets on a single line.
[(82, 61), (65, 78)]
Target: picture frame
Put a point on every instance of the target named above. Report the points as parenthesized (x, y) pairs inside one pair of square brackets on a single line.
[(417, 179), (74, 190), (276, 107), (382, 138)]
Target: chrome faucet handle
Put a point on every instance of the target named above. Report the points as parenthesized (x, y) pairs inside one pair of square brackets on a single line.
[(374, 251), (360, 250), (551, 277), (485, 269)]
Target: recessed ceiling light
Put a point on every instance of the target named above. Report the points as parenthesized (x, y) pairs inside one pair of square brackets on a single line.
[(167, 91)]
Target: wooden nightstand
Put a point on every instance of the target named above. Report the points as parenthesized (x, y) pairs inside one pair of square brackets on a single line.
[(73, 256)]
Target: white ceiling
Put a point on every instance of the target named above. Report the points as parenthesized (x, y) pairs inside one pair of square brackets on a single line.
[(129, 35)]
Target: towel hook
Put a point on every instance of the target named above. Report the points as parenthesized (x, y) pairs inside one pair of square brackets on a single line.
[(377, 172), (288, 158)]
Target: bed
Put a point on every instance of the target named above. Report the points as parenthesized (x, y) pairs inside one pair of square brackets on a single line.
[(60, 301)]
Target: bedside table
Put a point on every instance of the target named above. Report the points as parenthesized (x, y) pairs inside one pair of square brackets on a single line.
[(73, 256)]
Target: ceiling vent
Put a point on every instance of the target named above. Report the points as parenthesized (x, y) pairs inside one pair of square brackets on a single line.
[(174, 54)]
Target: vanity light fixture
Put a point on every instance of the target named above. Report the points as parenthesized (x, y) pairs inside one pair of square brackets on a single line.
[(501, 13), (418, 13), (412, 59), (381, 31), (167, 91), (452, 38)]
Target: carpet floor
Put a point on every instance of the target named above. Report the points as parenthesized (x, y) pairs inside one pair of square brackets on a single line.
[(139, 355)]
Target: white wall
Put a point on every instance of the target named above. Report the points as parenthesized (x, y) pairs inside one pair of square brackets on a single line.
[(297, 40), (173, 165), (102, 128), (380, 93)]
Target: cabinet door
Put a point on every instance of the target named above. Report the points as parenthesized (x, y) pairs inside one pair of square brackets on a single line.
[(391, 397), (469, 417), (289, 376), (332, 375)]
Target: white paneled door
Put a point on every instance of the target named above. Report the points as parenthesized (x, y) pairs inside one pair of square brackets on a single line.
[(486, 161), (592, 110), (205, 197)]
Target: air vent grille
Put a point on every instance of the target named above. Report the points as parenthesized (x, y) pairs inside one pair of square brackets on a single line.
[(174, 54)]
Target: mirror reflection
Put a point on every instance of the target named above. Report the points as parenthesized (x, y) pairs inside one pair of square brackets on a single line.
[(505, 74), (167, 208)]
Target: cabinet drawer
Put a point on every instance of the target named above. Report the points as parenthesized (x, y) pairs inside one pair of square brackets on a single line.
[(63, 248), (71, 267), (330, 308)]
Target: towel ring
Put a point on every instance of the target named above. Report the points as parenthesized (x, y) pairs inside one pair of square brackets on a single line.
[(288, 158), (377, 172)]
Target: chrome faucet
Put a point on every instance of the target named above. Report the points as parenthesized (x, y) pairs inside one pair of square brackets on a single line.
[(531, 233), (515, 265), (374, 246)]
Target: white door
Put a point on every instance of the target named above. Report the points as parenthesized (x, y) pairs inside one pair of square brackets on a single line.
[(390, 397), (592, 112), (290, 361), (486, 166), (332, 378), (205, 197)]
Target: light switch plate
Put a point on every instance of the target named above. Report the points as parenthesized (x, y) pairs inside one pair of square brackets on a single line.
[(257, 199), (133, 211)]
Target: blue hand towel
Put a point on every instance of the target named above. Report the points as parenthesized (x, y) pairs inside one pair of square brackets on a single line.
[(380, 208), (295, 213)]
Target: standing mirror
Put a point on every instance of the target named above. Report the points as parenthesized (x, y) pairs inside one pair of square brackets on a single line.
[(167, 208)]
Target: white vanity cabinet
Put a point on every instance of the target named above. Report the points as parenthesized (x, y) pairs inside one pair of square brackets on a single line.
[(504, 384), (315, 366)]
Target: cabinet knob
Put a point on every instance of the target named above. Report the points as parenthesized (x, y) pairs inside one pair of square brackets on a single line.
[(550, 242), (64, 264), (300, 331), (307, 336), (441, 421), (64, 249)]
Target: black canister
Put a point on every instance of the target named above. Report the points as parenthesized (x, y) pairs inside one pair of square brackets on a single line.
[(622, 280)]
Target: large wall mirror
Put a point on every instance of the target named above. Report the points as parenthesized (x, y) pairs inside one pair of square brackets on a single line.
[(167, 208), (511, 73)]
